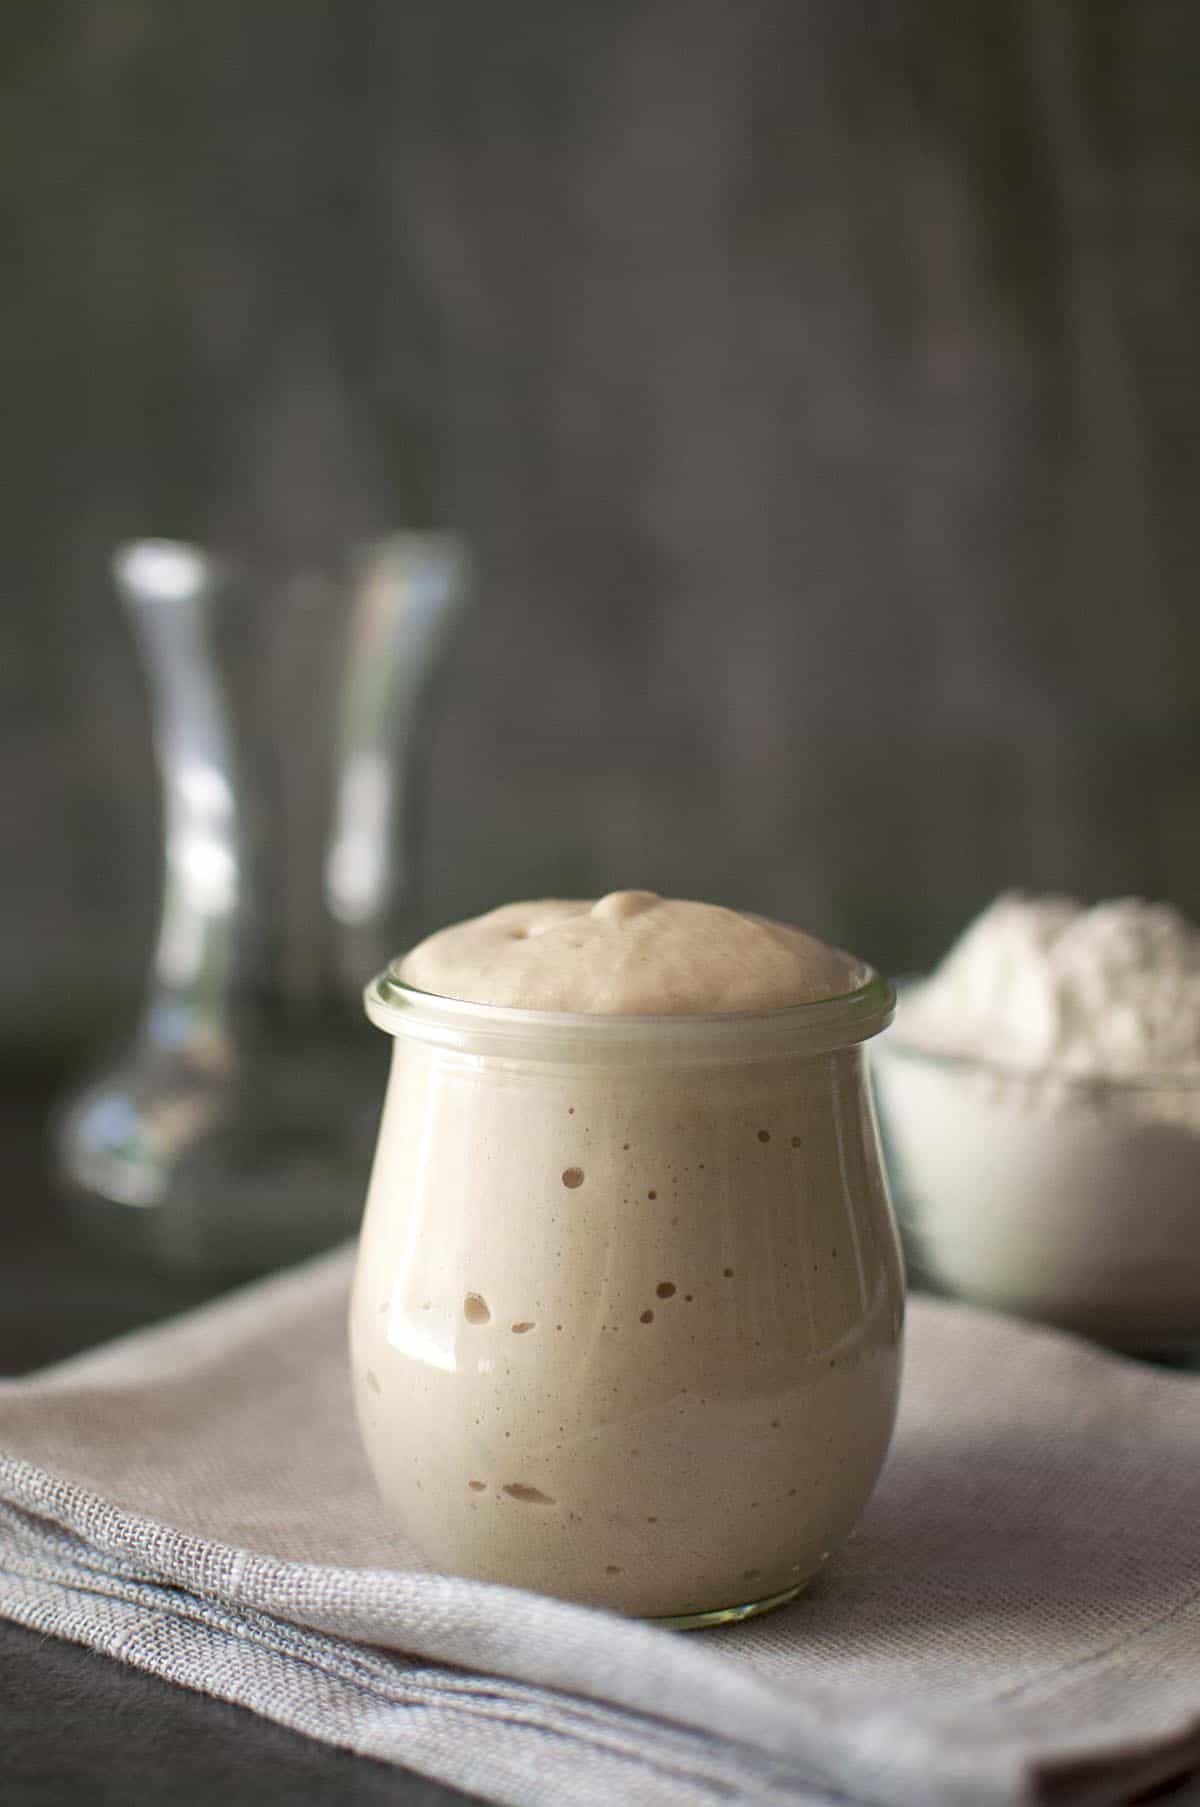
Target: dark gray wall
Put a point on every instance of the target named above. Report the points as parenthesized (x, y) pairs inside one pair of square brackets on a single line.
[(819, 384)]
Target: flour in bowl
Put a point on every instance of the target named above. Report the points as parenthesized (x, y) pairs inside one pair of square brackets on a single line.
[(1040, 1099), (1045, 984)]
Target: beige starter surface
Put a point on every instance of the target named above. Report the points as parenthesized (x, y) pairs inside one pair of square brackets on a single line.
[(630, 953), (626, 1321)]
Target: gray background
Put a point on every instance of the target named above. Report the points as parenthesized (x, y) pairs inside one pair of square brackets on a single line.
[(818, 384)]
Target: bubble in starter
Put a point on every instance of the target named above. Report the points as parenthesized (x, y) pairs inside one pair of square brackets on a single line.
[(665, 1289), (572, 1177), (528, 1496), (476, 1310), (622, 906)]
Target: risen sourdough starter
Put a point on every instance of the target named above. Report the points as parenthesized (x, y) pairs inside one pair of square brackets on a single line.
[(627, 1317)]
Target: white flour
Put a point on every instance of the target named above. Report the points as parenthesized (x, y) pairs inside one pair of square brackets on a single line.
[(1042, 983), (1040, 1098)]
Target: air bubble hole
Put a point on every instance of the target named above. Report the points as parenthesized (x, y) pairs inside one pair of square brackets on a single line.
[(528, 1496)]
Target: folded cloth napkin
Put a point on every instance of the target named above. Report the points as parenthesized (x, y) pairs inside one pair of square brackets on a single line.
[(1018, 1617)]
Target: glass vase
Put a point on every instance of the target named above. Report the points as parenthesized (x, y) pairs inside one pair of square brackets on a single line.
[(235, 1131)]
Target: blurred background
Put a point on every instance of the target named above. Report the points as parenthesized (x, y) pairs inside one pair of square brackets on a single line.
[(817, 386)]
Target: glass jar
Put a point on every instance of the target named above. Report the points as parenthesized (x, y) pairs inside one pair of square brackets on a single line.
[(627, 1314)]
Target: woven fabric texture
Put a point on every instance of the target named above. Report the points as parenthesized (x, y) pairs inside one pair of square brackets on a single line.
[(1017, 1618)]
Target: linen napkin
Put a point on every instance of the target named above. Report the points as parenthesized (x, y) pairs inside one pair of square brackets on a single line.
[(1018, 1617)]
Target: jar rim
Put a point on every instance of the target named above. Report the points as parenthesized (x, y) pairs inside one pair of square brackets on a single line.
[(818, 1027)]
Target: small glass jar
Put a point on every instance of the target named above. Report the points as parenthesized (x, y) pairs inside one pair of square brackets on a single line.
[(627, 1315)]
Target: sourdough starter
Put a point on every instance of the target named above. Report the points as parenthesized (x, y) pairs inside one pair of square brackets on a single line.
[(627, 1316)]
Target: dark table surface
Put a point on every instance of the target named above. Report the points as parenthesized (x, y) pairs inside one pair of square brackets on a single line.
[(76, 1726)]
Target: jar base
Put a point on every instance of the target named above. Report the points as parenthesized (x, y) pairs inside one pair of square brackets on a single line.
[(729, 1615)]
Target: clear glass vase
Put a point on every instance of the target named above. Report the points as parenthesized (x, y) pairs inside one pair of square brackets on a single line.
[(235, 1132)]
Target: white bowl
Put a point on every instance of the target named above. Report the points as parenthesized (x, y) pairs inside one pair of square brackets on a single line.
[(1072, 1200)]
